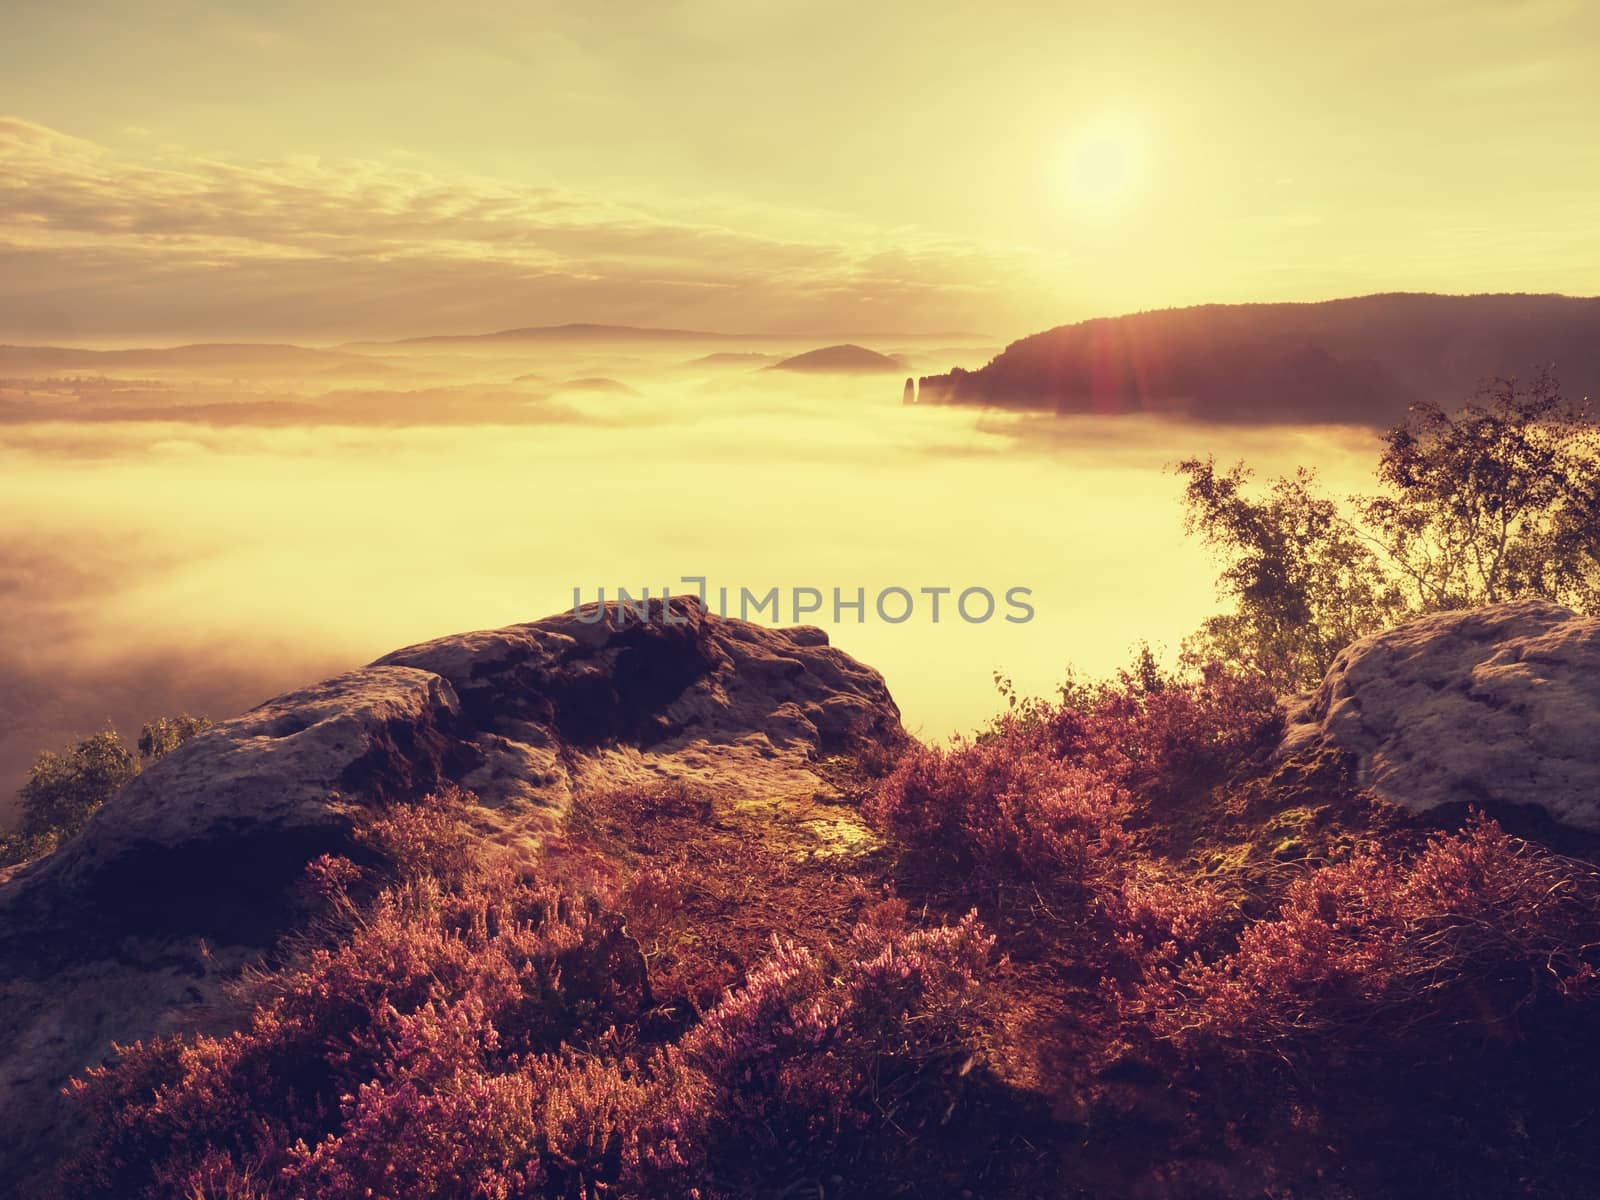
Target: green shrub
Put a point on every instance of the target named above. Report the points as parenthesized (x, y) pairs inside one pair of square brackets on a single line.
[(64, 790), (165, 734)]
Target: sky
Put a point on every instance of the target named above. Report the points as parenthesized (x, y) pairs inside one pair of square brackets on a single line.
[(201, 171)]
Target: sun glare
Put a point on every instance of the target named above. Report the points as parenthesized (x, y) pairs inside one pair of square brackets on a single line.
[(1102, 165)]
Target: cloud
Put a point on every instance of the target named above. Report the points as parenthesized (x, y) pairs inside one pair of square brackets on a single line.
[(93, 244), (345, 408)]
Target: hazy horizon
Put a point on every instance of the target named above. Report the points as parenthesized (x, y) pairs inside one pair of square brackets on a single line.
[(617, 333)]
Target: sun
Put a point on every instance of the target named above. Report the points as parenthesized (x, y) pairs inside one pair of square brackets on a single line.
[(1102, 164)]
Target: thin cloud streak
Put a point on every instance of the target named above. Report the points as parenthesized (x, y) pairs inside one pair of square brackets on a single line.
[(94, 246)]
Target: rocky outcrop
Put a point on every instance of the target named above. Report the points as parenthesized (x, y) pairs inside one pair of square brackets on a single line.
[(239, 810), (955, 387), (1496, 707), (102, 940)]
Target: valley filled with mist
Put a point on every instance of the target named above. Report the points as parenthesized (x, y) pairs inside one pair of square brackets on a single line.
[(198, 529)]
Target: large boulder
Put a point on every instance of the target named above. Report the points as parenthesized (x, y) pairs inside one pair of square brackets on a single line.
[(204, 840), (134, 927), (1497, 707)]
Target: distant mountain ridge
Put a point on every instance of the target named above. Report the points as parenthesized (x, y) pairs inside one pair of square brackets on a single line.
[(349, 354), (581, 331), (576, 331), (1362, 360)]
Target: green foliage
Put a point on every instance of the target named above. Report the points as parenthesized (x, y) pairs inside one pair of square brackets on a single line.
[(14, 848), (1497, 501), (1304, 581), (63, 790), (1020, 711), (165, 734)]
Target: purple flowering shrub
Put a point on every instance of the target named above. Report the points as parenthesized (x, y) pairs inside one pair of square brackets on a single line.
[(1157, 736), (1425, 1023), (1043, 799), (483, 1040), (1004, 810), (813, 1044), (1481, 930)]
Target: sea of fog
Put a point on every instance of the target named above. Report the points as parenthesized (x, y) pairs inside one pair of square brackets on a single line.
[(179, 537)]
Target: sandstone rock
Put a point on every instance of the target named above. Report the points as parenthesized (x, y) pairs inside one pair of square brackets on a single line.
[(238, 811), (101, 941), (1498, 707), (561, 705)]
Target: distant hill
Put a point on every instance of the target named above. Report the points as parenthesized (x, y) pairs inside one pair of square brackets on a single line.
[(635, 334), (846, 359), (731, 358), (598, 384), (1362, 360), (572, 333)]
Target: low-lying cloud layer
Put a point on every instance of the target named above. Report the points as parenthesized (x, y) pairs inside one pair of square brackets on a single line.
[(179, 543)]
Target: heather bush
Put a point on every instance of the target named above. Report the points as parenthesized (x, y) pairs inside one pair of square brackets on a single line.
[(1157, 922), (649, 801), (1372, 955), (1041, 798), (433, 997), (1005, 810), (481, 1038), (1156, 735), (429, 839), (813, 1044), (448, 1114)]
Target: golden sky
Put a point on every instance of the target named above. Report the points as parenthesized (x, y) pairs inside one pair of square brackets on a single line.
[(177, 170)]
